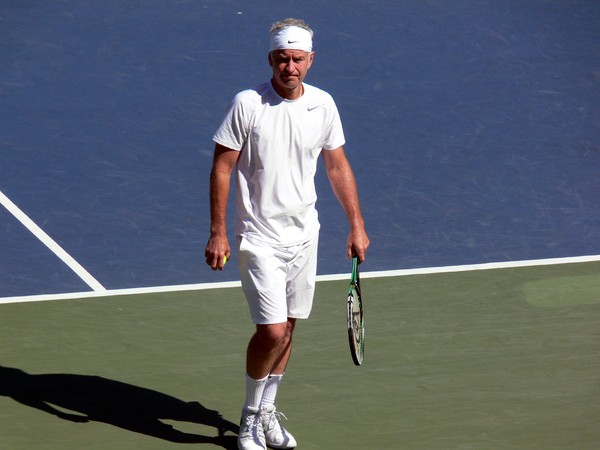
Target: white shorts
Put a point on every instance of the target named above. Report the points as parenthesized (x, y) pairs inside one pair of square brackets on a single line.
[(279, 283)]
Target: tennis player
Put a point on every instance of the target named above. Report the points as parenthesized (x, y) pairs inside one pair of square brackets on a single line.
[(272, 136)]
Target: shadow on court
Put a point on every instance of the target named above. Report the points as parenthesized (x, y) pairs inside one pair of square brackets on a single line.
[(119, 404)]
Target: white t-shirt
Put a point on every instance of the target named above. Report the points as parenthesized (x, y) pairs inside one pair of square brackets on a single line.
[(280, 141)]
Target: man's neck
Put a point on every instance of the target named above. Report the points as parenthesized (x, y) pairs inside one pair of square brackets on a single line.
[(289, 94)]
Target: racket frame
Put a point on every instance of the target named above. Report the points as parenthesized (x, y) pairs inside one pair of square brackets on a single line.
[(355, 319)]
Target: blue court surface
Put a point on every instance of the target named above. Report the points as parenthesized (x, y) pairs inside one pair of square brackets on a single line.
[(473, 128)]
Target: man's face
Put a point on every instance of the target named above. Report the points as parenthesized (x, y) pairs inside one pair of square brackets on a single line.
[(289, 69)]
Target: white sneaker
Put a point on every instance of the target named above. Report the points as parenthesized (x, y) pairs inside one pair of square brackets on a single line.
[(276, 436), (251, 436)]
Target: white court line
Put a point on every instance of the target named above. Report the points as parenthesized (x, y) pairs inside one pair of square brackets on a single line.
[(50, 243), (345, 276)]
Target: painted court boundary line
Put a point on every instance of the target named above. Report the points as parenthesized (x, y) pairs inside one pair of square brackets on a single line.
[(375, 274), (50, 243)]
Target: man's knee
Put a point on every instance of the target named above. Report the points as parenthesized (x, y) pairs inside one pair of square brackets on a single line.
[(274, 335)]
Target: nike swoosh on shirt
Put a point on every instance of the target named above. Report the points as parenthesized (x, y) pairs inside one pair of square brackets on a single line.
[(310, 108)]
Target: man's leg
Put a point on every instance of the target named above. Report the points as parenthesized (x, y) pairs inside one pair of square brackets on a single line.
[(277, 372), (270, 349), (268, 352), (276, 435)]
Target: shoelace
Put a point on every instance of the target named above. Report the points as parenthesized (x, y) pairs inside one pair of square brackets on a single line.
[(274, 417), (252, 421)]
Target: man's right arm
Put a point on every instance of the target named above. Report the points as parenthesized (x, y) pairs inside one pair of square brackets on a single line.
[(220, 180)]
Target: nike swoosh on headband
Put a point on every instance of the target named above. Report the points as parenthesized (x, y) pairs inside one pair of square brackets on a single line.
[(291, 37)]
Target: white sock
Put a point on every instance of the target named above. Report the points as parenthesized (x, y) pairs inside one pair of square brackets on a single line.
[(254, 392), (270, 391)]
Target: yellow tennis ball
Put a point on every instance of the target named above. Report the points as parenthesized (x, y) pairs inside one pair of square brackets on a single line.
[(224, 259)]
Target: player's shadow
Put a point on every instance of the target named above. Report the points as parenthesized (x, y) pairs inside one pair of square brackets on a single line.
[(93, 398)]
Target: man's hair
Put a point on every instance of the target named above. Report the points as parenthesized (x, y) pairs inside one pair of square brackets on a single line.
[(290, 23)]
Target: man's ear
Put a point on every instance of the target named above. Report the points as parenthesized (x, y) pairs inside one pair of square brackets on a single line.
[(311, 58), (270, 59)]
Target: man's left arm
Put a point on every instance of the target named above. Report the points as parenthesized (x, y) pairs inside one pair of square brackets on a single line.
[(343, 184)]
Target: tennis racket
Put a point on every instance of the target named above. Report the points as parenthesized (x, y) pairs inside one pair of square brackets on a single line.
[(356, 324)]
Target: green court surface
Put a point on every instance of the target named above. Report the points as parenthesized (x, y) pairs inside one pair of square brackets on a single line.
[(493, 359)]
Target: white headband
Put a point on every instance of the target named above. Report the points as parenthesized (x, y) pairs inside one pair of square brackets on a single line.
[(291, 38)]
